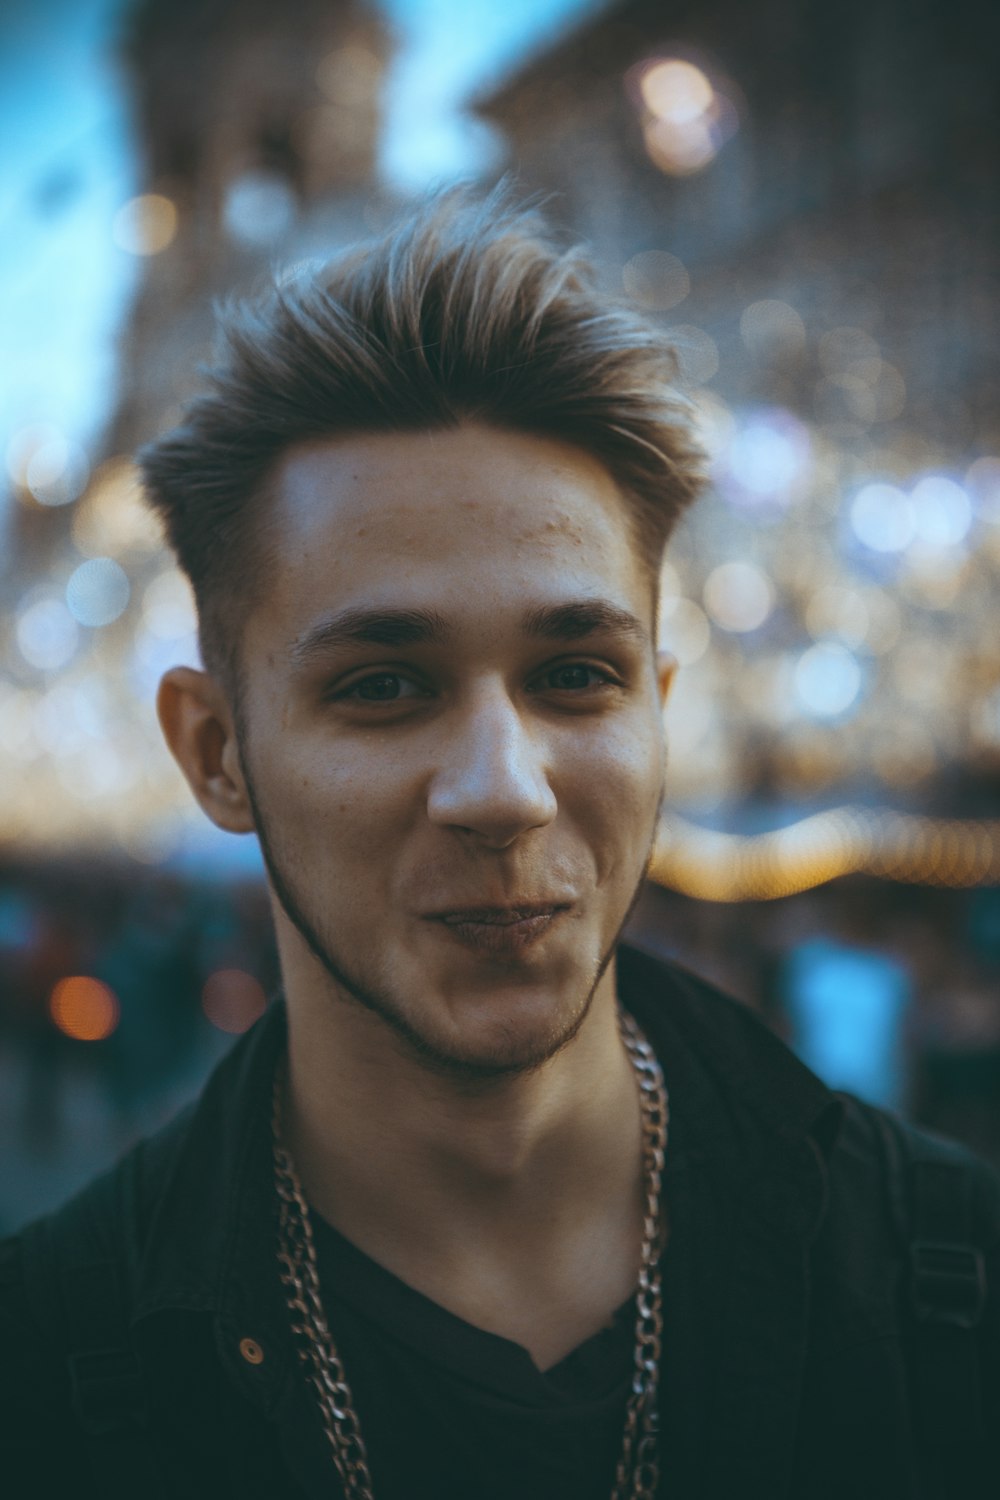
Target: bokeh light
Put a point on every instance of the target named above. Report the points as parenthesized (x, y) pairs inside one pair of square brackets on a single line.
[(768, 458), (47, 634), (57, 472), (772, 330), (738, 596), (145, 225), (656, 280), (98, 591), (258, 208), (942, 511), (233, 1000), (827, 679), (677, 91), (882, 517), (84, 1008), (687, 119)]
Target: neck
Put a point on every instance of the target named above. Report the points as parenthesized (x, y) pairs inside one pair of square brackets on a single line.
[(370, 1122), (515, 1202)]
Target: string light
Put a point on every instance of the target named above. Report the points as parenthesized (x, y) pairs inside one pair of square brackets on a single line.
[(713, 866)]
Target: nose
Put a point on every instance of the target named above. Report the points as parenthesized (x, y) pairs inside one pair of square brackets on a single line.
[(491, 779)]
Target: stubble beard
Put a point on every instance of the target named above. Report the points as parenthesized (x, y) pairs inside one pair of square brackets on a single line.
[(378, 1000)]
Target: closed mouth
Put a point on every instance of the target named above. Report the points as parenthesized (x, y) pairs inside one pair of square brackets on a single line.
[(503, 933), (497, 916)]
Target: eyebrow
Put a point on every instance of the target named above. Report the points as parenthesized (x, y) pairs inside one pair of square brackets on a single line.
[(368, 627), (572, 621), (583, 617)]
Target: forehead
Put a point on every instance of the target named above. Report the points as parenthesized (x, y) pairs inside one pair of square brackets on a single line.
[(471, 519)]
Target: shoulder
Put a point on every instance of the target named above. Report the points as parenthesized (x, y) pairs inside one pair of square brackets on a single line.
[(42, 1449), (931, 1187), (41, 1269)]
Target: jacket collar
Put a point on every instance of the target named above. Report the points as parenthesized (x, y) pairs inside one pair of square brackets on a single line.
[(766, 1123), (747, 1189), (212, 1241)]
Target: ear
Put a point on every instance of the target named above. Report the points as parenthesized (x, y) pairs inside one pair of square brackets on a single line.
[(666, 667), (198, 726)]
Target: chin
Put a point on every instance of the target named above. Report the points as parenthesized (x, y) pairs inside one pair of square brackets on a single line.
[(492, 1036)]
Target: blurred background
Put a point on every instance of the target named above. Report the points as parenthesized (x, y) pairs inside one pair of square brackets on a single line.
[(807, 196)]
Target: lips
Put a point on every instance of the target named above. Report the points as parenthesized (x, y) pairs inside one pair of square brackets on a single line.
[(498, 916), (500, 931)]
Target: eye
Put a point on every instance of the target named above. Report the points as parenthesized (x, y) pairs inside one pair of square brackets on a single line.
[(381, 687), (574, 677)]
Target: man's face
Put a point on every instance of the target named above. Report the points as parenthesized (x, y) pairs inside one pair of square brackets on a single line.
[(451, 730)]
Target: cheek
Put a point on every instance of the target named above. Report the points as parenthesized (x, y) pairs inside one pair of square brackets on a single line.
[(632, 759), (346, 800), (617, 793)]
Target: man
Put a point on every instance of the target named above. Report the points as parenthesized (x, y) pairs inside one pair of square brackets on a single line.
[(484, 1207)]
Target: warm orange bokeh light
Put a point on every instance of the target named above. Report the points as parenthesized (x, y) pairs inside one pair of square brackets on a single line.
[(233, 1000), (84, 1008)]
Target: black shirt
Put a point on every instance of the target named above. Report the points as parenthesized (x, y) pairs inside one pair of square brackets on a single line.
[(789, 1370), (450, 1411)]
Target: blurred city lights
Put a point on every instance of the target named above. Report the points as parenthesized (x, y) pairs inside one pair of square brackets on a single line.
[(772, 330), (258, 208), (942, 511), (112, 519), (233, 1000), (145, 225), (677, 91), (738, 596), (882, 517), (714, 866), (656, 280), (97, 769), (41, 460), (57, 471), (69, 713), (841, 611), (47, 634), (983, 484), (84, 1008), (17, 736), (684, 630), (768, 458), (687, 119), (827, 679), (884, 622), (97, 592)]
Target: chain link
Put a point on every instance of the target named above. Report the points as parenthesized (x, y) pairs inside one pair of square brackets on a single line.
[(638, 1469)]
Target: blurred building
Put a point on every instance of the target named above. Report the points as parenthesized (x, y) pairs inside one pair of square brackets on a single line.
[(844, 157), (807, 199), (807, 196), (258, 124), (256, 127)]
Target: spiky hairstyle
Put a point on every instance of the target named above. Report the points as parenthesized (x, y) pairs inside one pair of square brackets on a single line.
[(467, 311)]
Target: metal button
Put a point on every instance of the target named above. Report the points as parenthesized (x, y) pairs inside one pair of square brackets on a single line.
[(251, 1351)]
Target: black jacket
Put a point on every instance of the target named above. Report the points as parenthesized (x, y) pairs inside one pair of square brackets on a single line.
[(795, 1366)]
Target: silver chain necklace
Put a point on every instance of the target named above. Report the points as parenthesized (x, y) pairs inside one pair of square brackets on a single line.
[(638, 1466)]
